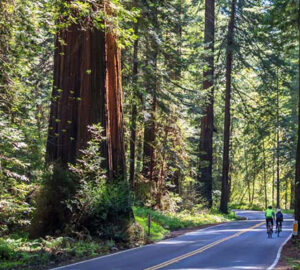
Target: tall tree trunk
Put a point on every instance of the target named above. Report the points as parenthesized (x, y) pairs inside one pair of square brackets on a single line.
[(286, 193), (253, 183), (207, 121), (292, 188), (265, 175), (133, 112), (229, 56), (150, 130), (247, 180), (114, 126), (149, 158), (87, 90), (162, 173), (139, 158), (297, 180), (273, 179), (78, 97), (277, 146)]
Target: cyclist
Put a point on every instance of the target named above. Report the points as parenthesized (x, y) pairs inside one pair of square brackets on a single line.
[(270, 214), (279, 218)]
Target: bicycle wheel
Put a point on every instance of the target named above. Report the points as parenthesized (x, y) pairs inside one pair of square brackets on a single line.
[(269, 230), (279, 229)]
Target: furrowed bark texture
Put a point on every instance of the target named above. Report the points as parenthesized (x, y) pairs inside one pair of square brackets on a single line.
[(149, 158), (297, 182), (114, 127), (229, 56), (277, 145), (133, 113), (87, 90), (78, 97), (207, 122)]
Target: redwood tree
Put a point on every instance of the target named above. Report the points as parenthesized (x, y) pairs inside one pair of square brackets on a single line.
[(207, 121), (229, 56), (297, 182), (149, 158), (87, 90), (133, 111)]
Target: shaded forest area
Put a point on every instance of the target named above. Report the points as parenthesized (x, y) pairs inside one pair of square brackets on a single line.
[(111, 110)]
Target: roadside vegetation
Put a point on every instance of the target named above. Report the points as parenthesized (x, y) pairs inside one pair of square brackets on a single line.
[(290, 257), (111, 110), (17, 251)]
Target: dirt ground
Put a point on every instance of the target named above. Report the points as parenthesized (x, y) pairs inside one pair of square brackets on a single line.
[(290, 256)]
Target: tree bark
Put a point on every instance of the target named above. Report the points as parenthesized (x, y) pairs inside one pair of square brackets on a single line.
[(229, 57), (277, 146), (207, 121), (297, 180), (78, 97), (265, 175), (87, 89), (133, 112), (114, 126), (273, 179), (150, 130)]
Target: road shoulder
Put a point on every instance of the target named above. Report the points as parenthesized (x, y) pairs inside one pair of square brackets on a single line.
[(290, 257)]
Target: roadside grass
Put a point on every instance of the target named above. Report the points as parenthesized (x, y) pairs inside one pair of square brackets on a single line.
[(17, 251), (290, 258), (288, 211), (244, 206), (163, 223)]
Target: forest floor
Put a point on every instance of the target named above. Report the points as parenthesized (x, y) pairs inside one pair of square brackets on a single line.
[(290, 257), (18, 252)]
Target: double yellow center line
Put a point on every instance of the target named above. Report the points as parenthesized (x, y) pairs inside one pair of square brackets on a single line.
[(200, 250)]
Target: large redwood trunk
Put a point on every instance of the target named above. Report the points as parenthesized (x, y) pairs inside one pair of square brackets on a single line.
[(87, 90), (229, 53), (114, 126), (78, 97), (133, 112), (149, 158), (297, 182), (207, 121)]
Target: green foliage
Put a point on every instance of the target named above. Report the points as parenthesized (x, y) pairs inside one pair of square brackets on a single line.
[(19, 251), (16, 186), (163, 223), (83, 204), (53, 211), (104, 210), (244, 206), (101, 207)]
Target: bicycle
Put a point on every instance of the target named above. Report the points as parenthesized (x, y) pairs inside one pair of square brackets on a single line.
[(269, 229), (279, 228)]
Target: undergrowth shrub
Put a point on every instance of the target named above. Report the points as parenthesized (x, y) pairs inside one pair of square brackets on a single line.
[(82, 202), (18, 176), (100, 207), (52, 204), (16, 208), (102, 210)]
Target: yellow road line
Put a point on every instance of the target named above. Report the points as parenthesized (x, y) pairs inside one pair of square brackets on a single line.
[(200, 250)]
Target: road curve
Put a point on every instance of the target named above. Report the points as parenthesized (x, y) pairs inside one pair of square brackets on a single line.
[(235, 245)]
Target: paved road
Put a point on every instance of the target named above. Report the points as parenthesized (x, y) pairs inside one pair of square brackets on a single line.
[(235, 245)]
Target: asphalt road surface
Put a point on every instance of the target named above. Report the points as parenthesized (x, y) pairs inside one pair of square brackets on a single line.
[(235, 245)]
